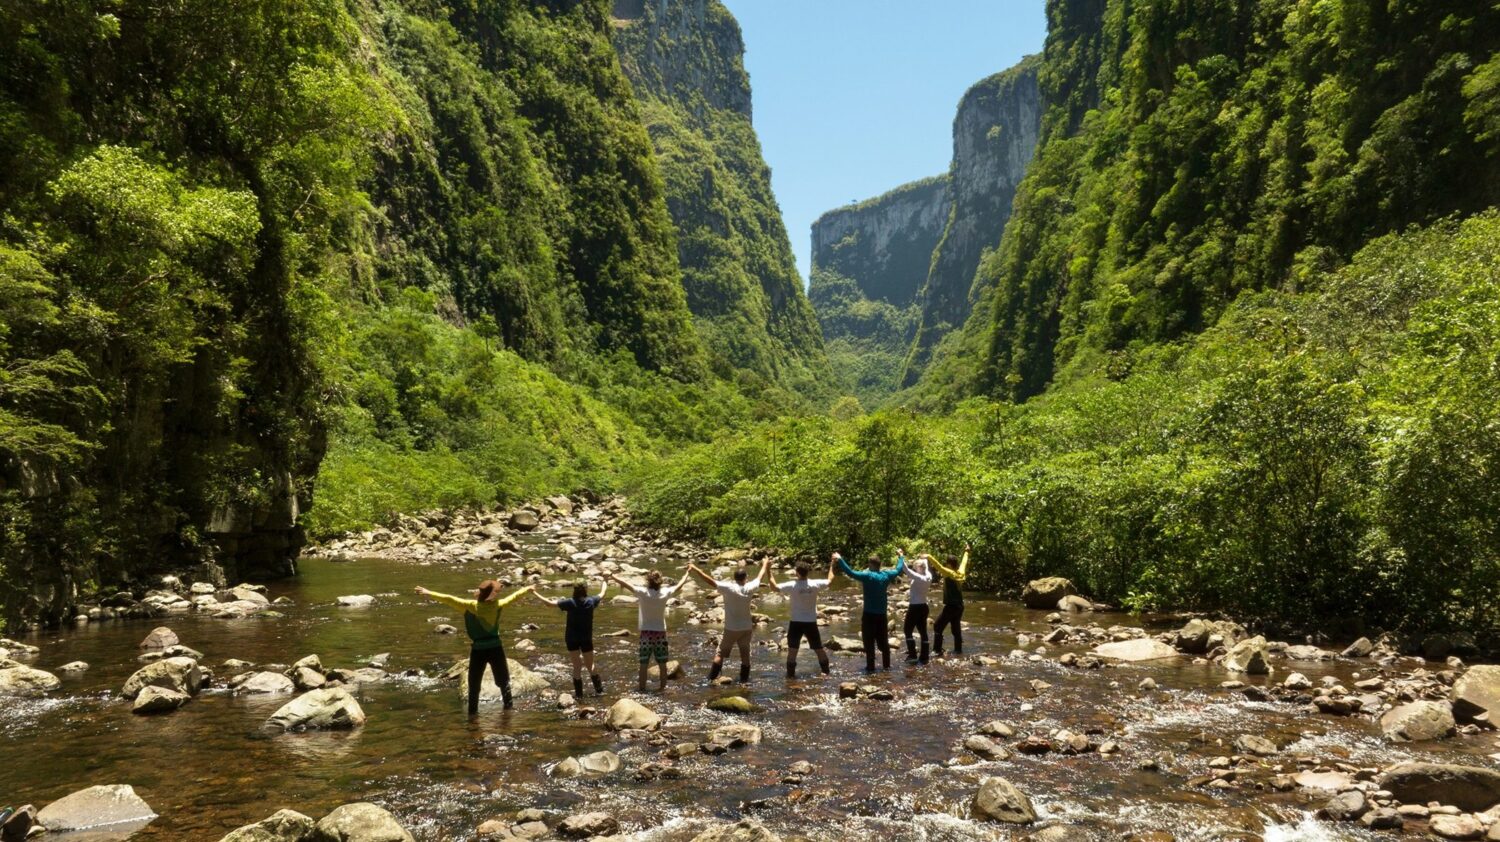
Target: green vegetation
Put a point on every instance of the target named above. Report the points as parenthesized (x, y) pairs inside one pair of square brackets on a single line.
[(1319, 457), (866, 339)]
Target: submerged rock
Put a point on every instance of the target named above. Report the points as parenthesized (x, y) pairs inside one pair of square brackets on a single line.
[(359, 823), (1418, 722), (283, 826), (998, 800), (329, 708), (356, 601), (731, 704), (95, 807)]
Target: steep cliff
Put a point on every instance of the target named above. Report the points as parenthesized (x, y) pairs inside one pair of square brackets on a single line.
[(994, 136), (229, 228), (869, 263), (685, 59)]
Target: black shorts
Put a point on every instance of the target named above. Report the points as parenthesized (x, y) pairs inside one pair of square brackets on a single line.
[(796, 631), (577, 645)]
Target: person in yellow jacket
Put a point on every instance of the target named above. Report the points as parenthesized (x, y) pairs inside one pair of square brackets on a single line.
[(482, 622), (953, 604)]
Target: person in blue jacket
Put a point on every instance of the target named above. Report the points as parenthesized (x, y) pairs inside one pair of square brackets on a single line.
[(873, 624)]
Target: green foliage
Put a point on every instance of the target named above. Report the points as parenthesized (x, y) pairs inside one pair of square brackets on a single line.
[(1317, 458), (866, 339)]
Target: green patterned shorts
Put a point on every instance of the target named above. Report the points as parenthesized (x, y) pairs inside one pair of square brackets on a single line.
[(653, 647)]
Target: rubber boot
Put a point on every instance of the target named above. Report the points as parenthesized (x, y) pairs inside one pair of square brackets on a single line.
[(509, 702), (598, 684), (744, 673), (713, 672), (577, 688), (791, 669), (827, 668), (923, 658)]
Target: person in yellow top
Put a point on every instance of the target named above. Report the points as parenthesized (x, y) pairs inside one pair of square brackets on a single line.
[(953, 604), (482, 622)]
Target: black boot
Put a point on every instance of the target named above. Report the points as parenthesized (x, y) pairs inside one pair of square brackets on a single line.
[(744, 673), (577, 688), (885, 659), (911, 648), (713, 672), (923, 658), (509, 702), (598, 684), (791, 669), (827, 669)]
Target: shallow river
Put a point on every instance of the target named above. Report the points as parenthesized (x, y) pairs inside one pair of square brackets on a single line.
[(882, 768)]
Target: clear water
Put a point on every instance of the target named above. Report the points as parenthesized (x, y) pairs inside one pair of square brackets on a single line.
[(882, 767)]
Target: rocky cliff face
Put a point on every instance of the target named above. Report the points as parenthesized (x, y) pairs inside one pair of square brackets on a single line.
[(885, 245), (994, 136), (685, 60)]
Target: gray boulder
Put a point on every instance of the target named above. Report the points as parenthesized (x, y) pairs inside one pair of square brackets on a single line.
[(746, 830), (1141, 649), (96, 807), (1359, 649), (1466, 787), (356, 601), (589, 765), (998, 800), (523, 682), (1418, 722), (359, 823), (1249, 657), (21, 680), (524, 521), (328, 708), (160, 638), (1075, 604), (1199, 636), (1046, 593), (629, 715), (1477, 692), (284, 826), (1345, 807), (179, 674), (153, 700), (735, 735), (273, 683), (585, 825)]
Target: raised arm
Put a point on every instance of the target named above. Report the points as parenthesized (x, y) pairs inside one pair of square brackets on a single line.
[(963, 564), (944, 569), (622, 582), (547, 599), (829, 577), (506, 600), (603, 589), (847, 570), (692, 569), (765, 568), (456, 603)]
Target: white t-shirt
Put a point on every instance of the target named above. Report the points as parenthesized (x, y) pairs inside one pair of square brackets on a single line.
[(737, 603), (803, 594), (920, 582), (652, 607)]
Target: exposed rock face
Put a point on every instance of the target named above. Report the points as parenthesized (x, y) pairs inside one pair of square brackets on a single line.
[(95, 807), (884, 244), (1465, 787), (994, 136), (359, 823)]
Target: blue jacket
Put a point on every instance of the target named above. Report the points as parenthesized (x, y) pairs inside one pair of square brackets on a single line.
[(875, 583)]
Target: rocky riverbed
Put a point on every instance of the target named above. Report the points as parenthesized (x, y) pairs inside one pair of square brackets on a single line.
[(221, 706)]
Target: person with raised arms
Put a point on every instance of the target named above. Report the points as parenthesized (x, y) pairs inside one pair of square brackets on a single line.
[(482, 622), (802, 593), (953, 604), (917, 609), (873, 623), (578, 634), (739, 624), (651, 605)]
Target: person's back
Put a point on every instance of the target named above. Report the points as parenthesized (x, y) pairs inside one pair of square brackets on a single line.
[(802, 593), (876, 582)]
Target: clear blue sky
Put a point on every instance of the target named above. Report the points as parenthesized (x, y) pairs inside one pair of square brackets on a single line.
[(855, 97)]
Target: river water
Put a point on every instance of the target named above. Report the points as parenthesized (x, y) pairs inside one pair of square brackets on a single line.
[(882, 768)]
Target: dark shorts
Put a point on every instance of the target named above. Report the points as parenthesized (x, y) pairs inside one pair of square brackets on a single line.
[(796, 631), (579, 644)]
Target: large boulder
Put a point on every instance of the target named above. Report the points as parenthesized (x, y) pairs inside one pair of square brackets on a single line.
[(735, 735), (1075, 604), (1418, 722), (524, 520), (1045, 593), (998, 800), (745, 830), (21, 680), (328, 708), (153, 700), (160, 638), (1250, 657), (359, 823), (1477, 692), (1200, 637), (586, 825), (284, 826), (1466, 787), (524, 682), (246, 593), (179, 674), (96, 807), (630, 715), (1141, 649), (591, 765), (273, 683)]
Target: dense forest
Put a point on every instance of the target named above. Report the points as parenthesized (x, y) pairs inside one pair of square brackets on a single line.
[(272, 271)]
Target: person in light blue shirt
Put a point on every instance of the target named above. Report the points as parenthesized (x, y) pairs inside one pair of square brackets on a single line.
[(873, 623)]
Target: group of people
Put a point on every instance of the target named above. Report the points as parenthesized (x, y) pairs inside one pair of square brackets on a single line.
[(482, 618)]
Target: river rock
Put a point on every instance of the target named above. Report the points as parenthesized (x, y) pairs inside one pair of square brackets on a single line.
[(1308, 653), (18, 825), (283, 826), (359, 823), (985, 748), (1345, 807), (1382, 818), (180, 674), (674, 672), (524, 521), (735, 735), (1249, 657), (1417, 722), (154, 700), (159, 638), (1075, 604), (21, 680), (273, 683), (524, 681), (1465, 787), (630, 715), (329, 708), (599, 763), (731, 704), (356, 601), (585, 825), (1141, 649), (1256, 746), (745, 830), (1477, 692), (1200, 636), (1359, 649), (95, 807), (998, 800), (1046, 593), (248, 593), (1456, 827), (74, 666)]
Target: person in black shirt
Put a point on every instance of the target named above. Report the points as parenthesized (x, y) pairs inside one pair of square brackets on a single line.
[(579, 633)]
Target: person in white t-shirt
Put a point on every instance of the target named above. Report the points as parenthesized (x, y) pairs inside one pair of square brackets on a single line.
[(803, 594), (739, 623), (651, 605), (917, 609)]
